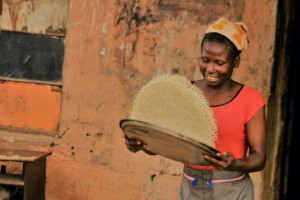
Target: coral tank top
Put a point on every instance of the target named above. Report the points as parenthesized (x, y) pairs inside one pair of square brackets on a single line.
[(231, 119)]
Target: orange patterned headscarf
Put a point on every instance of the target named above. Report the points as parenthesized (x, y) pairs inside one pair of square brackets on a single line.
[(235, 32)]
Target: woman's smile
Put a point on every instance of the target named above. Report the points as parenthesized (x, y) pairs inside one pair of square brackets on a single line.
[(211, 78)]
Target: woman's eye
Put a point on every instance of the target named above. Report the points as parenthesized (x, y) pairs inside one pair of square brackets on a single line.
[(205, 60), (220, 63)]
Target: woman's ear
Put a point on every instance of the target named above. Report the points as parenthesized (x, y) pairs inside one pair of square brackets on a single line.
[(236, 61)]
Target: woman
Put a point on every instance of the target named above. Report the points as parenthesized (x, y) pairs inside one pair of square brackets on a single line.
[(240, 116)]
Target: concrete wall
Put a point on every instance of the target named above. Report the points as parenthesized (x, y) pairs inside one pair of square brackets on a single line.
[(112, 49)]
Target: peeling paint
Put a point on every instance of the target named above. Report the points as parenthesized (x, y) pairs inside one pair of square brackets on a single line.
[(35, 16), (14, 7), (102, 52), (104, 27)]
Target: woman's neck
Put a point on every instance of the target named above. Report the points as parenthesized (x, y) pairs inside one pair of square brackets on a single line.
[(218, 95)]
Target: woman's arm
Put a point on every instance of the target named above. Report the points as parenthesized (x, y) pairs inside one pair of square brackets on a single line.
[(256, 138)]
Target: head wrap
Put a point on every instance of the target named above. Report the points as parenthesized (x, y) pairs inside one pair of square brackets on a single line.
[(237, 33)]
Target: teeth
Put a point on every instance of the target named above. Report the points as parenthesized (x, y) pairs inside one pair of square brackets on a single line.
[(210, 78)]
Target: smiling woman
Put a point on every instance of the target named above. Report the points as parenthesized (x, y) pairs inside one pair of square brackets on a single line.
[(240, 116), (239, 113)]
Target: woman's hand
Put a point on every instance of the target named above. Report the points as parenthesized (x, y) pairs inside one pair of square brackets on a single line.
[(134, 145), (225, 161)]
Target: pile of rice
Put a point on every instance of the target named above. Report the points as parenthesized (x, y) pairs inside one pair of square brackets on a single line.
[(172, 102)]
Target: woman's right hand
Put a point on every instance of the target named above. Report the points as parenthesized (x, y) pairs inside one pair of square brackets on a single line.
[(134, 145)]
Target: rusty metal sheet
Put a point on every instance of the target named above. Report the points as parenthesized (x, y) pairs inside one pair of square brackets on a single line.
[(34, 16), (29, 106)]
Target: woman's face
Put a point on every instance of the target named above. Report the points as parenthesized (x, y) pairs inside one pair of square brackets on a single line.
[(216, 63)]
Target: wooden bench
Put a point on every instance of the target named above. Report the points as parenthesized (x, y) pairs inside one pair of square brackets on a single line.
[(33, 175)]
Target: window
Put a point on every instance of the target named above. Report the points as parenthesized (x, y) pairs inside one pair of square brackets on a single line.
[(31, 61)]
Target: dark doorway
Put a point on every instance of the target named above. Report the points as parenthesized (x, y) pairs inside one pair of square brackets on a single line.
[(290, 178), (293, 177)]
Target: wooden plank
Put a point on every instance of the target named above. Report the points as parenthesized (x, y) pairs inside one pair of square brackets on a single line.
[(3, 79), (12, 179), (22, 155), (34, 180)]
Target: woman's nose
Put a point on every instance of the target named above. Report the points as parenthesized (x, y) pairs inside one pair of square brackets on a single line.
[(211, 67)]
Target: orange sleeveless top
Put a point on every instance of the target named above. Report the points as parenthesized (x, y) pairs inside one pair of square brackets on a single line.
[(231, 119)]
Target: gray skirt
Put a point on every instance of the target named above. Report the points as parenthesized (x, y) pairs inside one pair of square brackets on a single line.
[(209, 185)]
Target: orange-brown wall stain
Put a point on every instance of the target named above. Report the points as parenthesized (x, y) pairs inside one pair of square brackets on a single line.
[(112, 48)]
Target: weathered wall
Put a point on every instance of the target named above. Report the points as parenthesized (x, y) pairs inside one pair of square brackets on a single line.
[(112, 49)]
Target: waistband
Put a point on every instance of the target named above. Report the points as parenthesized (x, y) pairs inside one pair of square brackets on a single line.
[(211, 176), (209, 182)]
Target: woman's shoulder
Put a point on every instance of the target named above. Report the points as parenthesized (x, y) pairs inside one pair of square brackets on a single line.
[(251, 93), (250, 90)]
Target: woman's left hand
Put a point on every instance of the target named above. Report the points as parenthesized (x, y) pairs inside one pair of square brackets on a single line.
[(224, 163)]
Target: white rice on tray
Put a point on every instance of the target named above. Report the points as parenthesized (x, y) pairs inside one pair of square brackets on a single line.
[(174, 103)]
